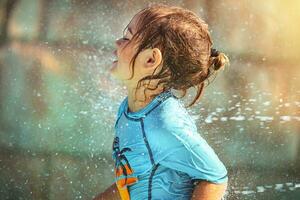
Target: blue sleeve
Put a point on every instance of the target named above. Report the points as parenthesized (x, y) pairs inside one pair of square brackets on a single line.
[(182, 148), (199, 161)]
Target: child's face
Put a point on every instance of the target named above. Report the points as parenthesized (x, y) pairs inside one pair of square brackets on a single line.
[(120, 68), (144, 64)]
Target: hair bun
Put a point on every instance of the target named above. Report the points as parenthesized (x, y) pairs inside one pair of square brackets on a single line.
[(218, 59), (214, 52)]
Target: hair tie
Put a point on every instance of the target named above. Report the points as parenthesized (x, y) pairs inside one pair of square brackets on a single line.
[(214, 52)]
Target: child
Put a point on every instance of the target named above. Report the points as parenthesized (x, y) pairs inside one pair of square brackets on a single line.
[(157, 150)]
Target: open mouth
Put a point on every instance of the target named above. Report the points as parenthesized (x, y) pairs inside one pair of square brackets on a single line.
[(115, 58)]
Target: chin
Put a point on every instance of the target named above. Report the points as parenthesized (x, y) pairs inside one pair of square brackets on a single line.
[(114, 74)]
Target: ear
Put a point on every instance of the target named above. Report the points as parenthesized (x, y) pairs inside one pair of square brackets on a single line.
[(153, 58)]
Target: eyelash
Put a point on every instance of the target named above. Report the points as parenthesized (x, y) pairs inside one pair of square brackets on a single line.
[(123, 38)]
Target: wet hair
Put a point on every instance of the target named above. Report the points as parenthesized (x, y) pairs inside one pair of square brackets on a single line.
[(188, 59)]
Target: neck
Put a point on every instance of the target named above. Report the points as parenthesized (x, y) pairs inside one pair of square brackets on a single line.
[(139, 101)]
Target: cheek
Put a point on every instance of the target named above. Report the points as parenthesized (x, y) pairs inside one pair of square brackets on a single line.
[(127, 56), (123, 68), (128, 53)]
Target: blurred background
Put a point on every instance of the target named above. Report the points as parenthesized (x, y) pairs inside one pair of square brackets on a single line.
[(58, 103)]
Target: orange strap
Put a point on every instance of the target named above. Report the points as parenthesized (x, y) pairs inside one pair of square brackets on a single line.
[(122, 185), (124, 194)]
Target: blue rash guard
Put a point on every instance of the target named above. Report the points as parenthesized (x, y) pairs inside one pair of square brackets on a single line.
[(158, 152)]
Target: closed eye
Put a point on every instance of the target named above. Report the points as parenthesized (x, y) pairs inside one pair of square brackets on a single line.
[(123, 38)]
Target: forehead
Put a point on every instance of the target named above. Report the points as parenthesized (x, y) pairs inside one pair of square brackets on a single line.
[(133, 23)]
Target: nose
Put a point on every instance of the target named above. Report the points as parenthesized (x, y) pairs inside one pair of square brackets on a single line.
[(117, 42)]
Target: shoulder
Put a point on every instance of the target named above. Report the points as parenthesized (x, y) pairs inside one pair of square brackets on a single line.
[(174, 115), (177, 122), (171, 127)]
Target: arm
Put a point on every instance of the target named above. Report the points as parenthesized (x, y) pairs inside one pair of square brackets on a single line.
[(209, 191), (110, 193)]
